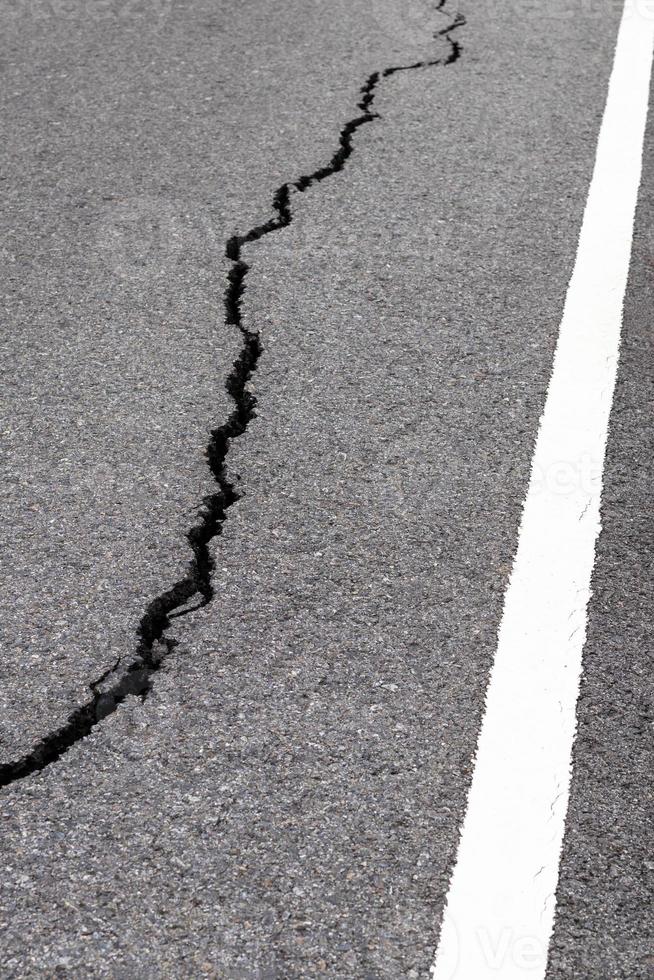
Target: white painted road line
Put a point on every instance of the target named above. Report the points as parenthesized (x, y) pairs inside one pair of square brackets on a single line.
[(500, 906)]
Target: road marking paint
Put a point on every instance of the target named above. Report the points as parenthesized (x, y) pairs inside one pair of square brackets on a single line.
[(500, 906)]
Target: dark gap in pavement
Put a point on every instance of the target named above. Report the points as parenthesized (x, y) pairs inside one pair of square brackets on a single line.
[(119, 681)]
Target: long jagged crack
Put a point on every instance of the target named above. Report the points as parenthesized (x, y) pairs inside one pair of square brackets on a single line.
[(135, 678)]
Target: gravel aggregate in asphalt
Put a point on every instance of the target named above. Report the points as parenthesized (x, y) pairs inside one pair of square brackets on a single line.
[(286, 803), (605, 925)]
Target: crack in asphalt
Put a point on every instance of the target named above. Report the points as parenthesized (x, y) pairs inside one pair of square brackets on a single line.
[(119, 681)]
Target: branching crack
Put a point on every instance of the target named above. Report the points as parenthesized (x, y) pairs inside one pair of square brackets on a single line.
[(135, 678)]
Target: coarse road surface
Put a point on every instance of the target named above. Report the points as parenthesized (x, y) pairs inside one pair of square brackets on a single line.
[(282, 284)]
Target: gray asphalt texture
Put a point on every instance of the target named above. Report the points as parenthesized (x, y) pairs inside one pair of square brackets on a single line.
[(287, 801), (605, 924), (126, 166)]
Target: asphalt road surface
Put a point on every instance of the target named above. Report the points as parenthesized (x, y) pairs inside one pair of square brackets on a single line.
[(277, 330)]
